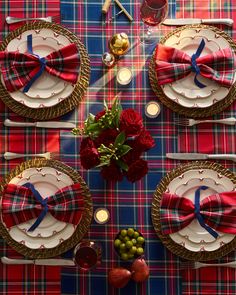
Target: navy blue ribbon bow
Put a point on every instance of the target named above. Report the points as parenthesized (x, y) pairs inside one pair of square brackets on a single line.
[(195, 67), (42, 201), (42, 61), (198, 213)]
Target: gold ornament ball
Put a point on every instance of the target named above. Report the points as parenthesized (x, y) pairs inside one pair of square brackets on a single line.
[(119, 44)]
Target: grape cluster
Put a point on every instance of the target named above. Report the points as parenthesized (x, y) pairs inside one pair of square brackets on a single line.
[(129, 244)]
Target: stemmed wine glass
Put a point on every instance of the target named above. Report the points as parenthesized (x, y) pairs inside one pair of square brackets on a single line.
[(152, 12), (87, 255)]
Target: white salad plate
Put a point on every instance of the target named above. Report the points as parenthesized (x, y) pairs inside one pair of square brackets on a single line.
[(194, 237), (184, 91), (50, 232), (47, 90)]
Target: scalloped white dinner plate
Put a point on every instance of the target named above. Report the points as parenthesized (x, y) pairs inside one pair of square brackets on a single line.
[(184, 91), (51, 232), (47, 90), (194, 237)]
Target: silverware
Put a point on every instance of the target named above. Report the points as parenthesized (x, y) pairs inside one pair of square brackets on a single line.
[(45, 124), (197, 156), (191, 122), (62, 262), (196, 264), (190, 21), (47, 155), (113, 17), (13, 20)]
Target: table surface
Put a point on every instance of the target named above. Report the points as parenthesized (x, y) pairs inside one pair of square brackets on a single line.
[(129, 204)]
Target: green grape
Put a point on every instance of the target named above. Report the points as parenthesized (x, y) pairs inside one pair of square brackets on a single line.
[(128, 244), (122, 246), (124, 256), (136, 234), (140, 251), (117, 243), (126, 239), (130, 232), (134, 241), (133, 250), (123, 232), (140, 240)]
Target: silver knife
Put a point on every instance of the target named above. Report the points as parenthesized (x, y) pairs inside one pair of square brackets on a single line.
[(43, 124), (197, 156), (191, 21), (51, 261)]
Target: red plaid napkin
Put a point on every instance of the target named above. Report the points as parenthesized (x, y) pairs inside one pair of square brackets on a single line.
[(18, 69), (217, 211), (173, 64), (20, 204)]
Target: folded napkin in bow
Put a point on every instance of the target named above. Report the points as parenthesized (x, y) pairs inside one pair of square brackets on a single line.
[(173, 64), (22, 69), (216, 212), (22, 203)]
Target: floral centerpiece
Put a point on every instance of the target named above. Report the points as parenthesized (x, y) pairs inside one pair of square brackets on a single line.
[(115, 140)]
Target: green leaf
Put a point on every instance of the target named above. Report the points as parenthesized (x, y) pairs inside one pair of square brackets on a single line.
[(91, 118), (120, 139), (93, 127), (124, 149), (107, 163), (122, 165)]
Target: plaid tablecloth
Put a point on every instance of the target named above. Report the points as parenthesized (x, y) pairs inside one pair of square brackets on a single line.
[(129, 204), (25, 279)]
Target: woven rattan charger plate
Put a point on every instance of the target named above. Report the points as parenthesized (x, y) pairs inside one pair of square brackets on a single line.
[(81, 229), (192, 112), (68, 103), (166, 240)]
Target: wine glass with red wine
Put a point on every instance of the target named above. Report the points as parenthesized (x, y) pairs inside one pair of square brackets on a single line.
[(152, 12), (87, 255)]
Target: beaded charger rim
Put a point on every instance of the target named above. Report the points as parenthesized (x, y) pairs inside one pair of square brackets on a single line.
[(66, 104), (192, 112), (81, 228), (155, 212)]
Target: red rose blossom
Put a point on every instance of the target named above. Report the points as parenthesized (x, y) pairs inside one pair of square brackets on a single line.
[(89, 158), (137, 170), (106, 137), (86, 142), (144, 141), (112, 172), (131, 122), (133, 155)]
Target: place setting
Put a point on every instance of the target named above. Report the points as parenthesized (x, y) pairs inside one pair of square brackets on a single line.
[(194, 90), (51, 88), (193, 211), (46, 208)]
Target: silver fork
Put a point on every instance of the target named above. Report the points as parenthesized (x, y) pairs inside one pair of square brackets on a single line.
[(197, 264), (47, 155), (191, 122), (12, 19)]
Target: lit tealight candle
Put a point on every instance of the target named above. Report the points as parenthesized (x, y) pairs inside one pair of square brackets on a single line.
[(101, 215), (152, 109), (124, 76)]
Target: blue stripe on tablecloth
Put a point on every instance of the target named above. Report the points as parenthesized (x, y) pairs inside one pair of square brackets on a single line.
[(129, 204)]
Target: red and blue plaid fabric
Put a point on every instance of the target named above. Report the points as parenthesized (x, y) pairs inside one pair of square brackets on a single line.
[(19, 204), (18, 69), (129, 204), (218, 211), (173, 64)]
